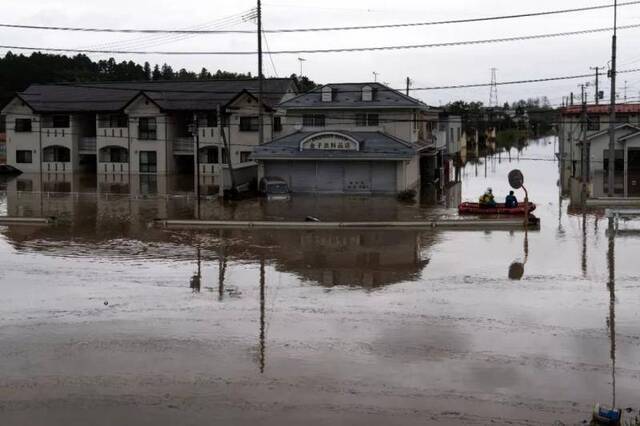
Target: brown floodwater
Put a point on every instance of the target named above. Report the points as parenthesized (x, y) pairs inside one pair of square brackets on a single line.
[(107, 320)]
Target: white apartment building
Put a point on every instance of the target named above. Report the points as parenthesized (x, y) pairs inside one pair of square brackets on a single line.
[(141, 127)]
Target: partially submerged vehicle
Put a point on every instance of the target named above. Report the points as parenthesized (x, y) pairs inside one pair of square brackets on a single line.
[(500, 208), (274, 188)]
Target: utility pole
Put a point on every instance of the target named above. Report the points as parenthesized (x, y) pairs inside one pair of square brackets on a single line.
[(408, 85), (260, 80), (571, 99), (196, 159), (584, 159), (625, 91), (612, 104), (597, 69)]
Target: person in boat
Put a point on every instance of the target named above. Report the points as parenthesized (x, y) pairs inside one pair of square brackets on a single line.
[(487, 200), (511, 201)]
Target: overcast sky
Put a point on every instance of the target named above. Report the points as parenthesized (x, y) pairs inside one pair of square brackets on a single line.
[(426, 67)]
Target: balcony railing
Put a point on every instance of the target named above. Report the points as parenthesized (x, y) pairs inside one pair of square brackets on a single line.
[(184, 144), (87, 144)]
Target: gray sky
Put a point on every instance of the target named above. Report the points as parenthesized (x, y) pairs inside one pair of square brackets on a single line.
[(426, 67)]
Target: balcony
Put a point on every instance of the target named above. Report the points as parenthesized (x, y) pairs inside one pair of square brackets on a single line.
[(183, 145), (87, 145)]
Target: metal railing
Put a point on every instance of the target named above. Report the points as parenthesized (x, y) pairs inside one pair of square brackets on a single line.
[(87, 144), (183, 144)]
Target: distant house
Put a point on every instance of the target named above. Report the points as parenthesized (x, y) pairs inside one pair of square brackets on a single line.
[(596, 149), (351, 138), (119, 128)]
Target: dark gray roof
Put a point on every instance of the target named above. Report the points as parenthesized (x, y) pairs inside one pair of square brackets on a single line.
[(349, 95), (373, 145), (168, 95)]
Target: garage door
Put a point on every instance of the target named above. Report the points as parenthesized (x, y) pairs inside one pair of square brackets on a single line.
[(357, 176), (383, 176), (330, 175), (335, 176)]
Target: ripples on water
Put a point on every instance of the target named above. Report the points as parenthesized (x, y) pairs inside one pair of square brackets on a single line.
[(374, 304)]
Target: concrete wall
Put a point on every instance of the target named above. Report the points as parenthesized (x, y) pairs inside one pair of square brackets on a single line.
[(142, 107), (399, 124), (22, 141)]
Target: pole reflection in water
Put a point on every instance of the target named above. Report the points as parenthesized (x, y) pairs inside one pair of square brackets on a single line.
[(584, 244), (195, 283), (611, 322), (262, 315), (222, 269), (516, 269)]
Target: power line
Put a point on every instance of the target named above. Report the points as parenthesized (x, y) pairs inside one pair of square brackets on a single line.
[(266, 92), (318, 29), (333, 50)]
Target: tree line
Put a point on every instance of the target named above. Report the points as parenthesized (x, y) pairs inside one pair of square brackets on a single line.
[(17, 72)]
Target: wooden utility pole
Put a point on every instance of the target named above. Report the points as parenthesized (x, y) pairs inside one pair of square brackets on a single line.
[(196, 160), (260, 78), (584, 159), (612, 106), (227, 148), (408, 85)]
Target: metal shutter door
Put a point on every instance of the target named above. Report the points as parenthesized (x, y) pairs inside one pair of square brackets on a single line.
[(329, 176), (303, 176), (383, 176), (357, 176)]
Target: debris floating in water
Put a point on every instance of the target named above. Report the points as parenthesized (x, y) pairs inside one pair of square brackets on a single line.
[(106, 303)]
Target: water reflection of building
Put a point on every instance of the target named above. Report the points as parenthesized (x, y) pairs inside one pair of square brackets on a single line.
[(364, 258)]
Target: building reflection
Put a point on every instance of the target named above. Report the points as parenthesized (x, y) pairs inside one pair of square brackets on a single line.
[(100, 210)]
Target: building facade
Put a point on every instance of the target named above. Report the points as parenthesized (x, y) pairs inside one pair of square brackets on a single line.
[(142, 127), (584, 149), (351, 138)]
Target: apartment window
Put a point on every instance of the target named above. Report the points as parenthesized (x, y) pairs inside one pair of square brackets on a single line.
[(367, 120), (313, 120), (224, 155), (248, 124), (147, 128), (209, 155), (23, 125), (593, 122), (56, 121), (277, 124), (114, 155), (23, 157), (244, 156), (113, 120), (148, 162), (56, 154), (208, 119), (24, 185)]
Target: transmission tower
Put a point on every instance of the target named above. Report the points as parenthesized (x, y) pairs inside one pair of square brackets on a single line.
[(493, 94)]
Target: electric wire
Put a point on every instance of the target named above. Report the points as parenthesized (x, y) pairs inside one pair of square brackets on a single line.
[(320, 29), (330, 50)]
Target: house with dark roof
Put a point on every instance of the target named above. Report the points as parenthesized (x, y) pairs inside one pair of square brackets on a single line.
[(351, 138), (591, 140), (141, 127)]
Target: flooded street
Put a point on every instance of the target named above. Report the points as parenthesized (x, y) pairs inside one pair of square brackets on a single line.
[(106, 320)]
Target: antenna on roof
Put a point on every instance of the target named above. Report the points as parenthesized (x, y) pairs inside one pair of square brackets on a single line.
[(301, 60), (375, 76)]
